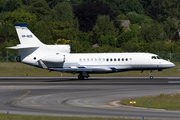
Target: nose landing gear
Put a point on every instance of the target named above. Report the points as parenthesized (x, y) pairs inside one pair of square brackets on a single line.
[(150, 73)]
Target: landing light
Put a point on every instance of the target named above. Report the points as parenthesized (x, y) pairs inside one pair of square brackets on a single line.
[(132, 102)]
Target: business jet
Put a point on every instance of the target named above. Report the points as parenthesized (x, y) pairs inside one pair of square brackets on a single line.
[(58, 58)]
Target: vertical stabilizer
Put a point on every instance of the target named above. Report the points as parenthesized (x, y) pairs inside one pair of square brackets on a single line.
[(26, 37)]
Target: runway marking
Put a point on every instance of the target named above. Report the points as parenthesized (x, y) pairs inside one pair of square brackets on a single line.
[(61, 105), (19, 97), (173, 81)]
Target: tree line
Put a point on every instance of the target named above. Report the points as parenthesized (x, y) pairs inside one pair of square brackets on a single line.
[(154, 24)]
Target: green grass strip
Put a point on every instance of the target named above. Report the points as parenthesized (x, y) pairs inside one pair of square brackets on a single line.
[(29, 117), (162, 101)]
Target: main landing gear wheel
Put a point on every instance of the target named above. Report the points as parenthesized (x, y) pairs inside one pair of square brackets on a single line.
[(80, 77)]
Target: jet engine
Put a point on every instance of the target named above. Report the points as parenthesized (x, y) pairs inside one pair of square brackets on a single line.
[(60, 58)]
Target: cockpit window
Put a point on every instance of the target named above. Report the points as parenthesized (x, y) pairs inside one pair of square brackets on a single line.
[(153, 57), (158, 57)]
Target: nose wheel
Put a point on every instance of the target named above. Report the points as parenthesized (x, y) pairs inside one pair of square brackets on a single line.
[(151, 72)]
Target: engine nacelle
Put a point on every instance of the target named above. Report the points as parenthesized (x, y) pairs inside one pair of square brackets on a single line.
[(60, 58), (18, 58)]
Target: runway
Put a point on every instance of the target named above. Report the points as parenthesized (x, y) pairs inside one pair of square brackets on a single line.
[(67, 96)]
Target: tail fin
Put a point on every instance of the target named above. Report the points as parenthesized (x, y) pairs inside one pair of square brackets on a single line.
[(26, 37)]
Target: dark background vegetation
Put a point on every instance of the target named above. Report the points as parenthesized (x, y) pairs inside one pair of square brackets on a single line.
[(154, 24)]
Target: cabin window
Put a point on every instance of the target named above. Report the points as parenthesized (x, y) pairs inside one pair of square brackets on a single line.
[(84, 60), (88, 60), (114, 59), (99, 59), (118, 59), (111, 59), (126, 59), (80, 60), (91, 60), (95, 59), (107, 59), (103, 59), (130, 59), (122, 59)]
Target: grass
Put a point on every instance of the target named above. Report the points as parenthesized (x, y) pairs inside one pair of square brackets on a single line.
[(28, 117), (162, 101), (19, 69)]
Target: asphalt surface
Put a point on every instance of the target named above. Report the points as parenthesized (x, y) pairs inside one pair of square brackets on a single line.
[(67, 96)]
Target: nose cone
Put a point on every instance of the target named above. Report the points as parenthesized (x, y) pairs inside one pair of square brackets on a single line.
[(166, 64), (171, 65)]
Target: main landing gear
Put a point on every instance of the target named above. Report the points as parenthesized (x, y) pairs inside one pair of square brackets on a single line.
[(82, 75)]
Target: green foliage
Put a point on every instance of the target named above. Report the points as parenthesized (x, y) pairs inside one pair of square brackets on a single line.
[(62, 12), (138, 18), (82, 36), (19, 16), (107, 40), (125, 37), (2, 4), (38, 7), (154, 24), (162, 9), (12, 5), (103, 27), (152, 32), (130, 6), (62, 30), (162, 101), (42, 30), (170, 27)]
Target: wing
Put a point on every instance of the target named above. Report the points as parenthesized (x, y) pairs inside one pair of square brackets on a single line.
[(91, 69)]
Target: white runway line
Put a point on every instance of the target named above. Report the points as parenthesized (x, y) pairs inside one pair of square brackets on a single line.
[(173, 81)]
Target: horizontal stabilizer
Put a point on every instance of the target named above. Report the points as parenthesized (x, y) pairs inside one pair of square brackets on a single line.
[(23, 46)]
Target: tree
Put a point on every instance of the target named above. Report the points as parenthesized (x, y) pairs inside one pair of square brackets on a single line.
[(138, 18), (170, 27), (53, 3), (125, 37), (19, 16), (152, 32), (107, 40), (38, 7), (2, 4), (62, 12), (130, 6), (42, 30), (162, 9), (12, 5), (60, 30), (87, 14), (103, 27)]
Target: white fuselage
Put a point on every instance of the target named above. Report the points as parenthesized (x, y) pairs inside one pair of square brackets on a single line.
[(98, 62)]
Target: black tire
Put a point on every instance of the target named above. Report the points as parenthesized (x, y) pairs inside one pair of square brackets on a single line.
[(80, 77)]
